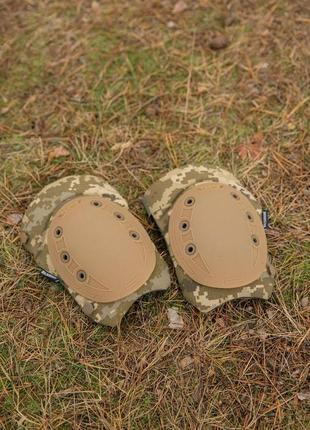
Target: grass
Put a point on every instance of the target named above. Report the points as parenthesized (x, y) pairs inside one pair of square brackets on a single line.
[(89, 76)]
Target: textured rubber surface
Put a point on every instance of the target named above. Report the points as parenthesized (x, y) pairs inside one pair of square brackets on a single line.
[(99, 249), (217, 237)]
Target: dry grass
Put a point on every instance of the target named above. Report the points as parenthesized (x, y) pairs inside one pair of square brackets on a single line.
[(89, 76)]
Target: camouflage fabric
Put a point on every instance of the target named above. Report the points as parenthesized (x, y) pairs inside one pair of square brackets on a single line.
[(34, 229), (158, 201)]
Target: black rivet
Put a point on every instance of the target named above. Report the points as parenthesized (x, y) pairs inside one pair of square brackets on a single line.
[(189, 201), (58, 232), (119, 216), (96, 203), (184, 225), (249, 216), (134, 235), (255, 240), (190, 249), (235, 195), (81, 275), (65, 257)]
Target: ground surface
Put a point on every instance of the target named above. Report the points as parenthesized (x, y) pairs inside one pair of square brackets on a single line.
[(127, 91)]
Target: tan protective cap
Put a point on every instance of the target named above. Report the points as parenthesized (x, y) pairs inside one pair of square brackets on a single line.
[(217, 236), (99, 249)]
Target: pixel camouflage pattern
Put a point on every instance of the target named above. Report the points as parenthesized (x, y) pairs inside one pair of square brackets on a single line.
[(34, 229), (159, 200)]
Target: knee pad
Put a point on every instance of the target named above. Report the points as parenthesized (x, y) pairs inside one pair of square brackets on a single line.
[(80, 232), (213, 229)]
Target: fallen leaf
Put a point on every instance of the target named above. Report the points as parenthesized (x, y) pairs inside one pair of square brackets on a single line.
[(186, 362), (68, 391), (307, 192), (262, 334), (20, 422), (28, 306), (296, 373), (303, 396), (262, 66), (95, 7), (231, 19), (304, 302), (109, 94), (175, 320), (291, 126), (257, 138), (8, 107), (29, 101), (220, 322), (153, 110), (219, 42), (187, 341), (159, 392), (179, 7), (14, 218), (40, 125), (171, 24), (122, 146), (54, 287), (211, 372), (23, 236), (253, 148), (270, 313), (57, 152), (202, 88), (264, 33)]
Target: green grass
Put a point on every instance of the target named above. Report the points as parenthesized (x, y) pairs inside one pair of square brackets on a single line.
[(88, 77)]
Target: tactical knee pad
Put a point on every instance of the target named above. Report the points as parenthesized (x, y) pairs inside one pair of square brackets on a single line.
[(80, 231), (214, 233)]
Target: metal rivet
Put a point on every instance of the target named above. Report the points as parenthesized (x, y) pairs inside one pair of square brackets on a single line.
[(190, 249), (255, 240), (184, 225), (65, 257), (235, 195), (134, 235), (58, 232), (249, 216), (119, 216), (189, 201), (81, 275)]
